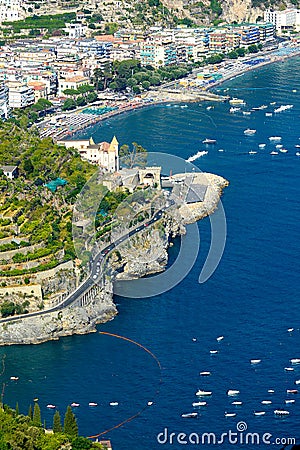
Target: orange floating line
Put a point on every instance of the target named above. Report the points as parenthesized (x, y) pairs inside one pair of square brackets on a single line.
[(145, 407)]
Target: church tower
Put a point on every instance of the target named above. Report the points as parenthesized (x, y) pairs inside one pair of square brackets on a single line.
[(113, 155)]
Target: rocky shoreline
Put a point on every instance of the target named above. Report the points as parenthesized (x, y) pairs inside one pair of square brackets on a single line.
[(143, 254)]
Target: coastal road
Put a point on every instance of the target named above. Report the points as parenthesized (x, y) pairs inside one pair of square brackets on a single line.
[(96, 271)]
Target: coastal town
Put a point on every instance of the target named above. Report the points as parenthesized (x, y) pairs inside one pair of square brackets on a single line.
[(80, 218)]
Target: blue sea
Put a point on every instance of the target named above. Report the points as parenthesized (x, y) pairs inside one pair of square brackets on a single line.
[(252, 299)]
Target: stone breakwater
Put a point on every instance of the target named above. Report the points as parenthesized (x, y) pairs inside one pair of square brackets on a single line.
[(143, 254)]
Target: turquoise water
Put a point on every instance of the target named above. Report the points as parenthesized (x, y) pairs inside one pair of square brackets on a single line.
[(252, 299)]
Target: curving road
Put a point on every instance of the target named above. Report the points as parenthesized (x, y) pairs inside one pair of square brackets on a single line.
[(95, 273)]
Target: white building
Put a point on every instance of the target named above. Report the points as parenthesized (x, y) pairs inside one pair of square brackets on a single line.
[(71, 83), (11, 10), (10, 172), (104, 154), (19, 95), (4, 104), (283, 20), (76, 30)]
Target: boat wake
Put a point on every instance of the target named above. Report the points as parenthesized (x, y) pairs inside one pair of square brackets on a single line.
[(196, 156)]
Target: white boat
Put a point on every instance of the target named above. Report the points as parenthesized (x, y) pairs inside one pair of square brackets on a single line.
[(295, 361), (283, 108), (266, 402), (234, 109), (221, 150), (274, 153), (189, 415), (237, 101), (14, 378), (275, 138), (209, 108), (271, 391), (93, 404), (297, 153), (209, 141), (220, 338), (255, 361), (213, 352), (297, 146), (205, 374), (290, 330), (149, 403), (261, 145), (297, 382), (278, 146), (289, 369), (195, 404), (236, 403), (246, 113), (196, 156), (249, 132), (51, 406), (75, 405), (259, 413), (281, 412), (288, 402), (114, 403), (252, 152), (283, 150), (233, 392), (226, 414), (194, 339), (201, 393), (273, 103), (292, 391), (268, 114)]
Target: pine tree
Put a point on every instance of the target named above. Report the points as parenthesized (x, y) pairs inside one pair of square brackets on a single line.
[(30, 412), (70, 424), (57, 427), (17, 409), (37, 415)]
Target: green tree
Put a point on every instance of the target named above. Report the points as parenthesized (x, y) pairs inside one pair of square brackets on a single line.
[(111, 28), (70, 423), (81, 443), (57, 426), (8, 309), (146, 84), (36, 419), (28, 166), (69, 104)]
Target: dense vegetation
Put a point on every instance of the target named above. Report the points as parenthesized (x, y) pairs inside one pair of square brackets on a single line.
[(33, 215), (130, 74), (37, 23), (25, 432)]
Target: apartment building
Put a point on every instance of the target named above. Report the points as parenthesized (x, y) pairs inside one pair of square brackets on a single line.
[(4, 105), (19, 94), (71, 83), (283, 20), (11, 10)]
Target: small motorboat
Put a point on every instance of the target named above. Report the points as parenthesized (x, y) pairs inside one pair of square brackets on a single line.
[(113, 403), (205, 374), (275, 138), (75, 405), (192, 415), (266, 402), (252, 152), (220, 338), (278, 146), (292, 391), (274, 153), (291, 329), (297, 153), (297, 381), (93, 404), (249, 132), (236, 403), (261, 145), (209, 141), (246, 113), (281, 412), (259, 413), (289, 369), (194, 339), (149, 403), (14, 378), (255, 361), (195, 404), (295, 361), (297, 146), (288, 402), (213, 352), (268, 114), (283, 150), (201, 393), (227, 414), (271, 391), (51, 406), (232, 392)]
